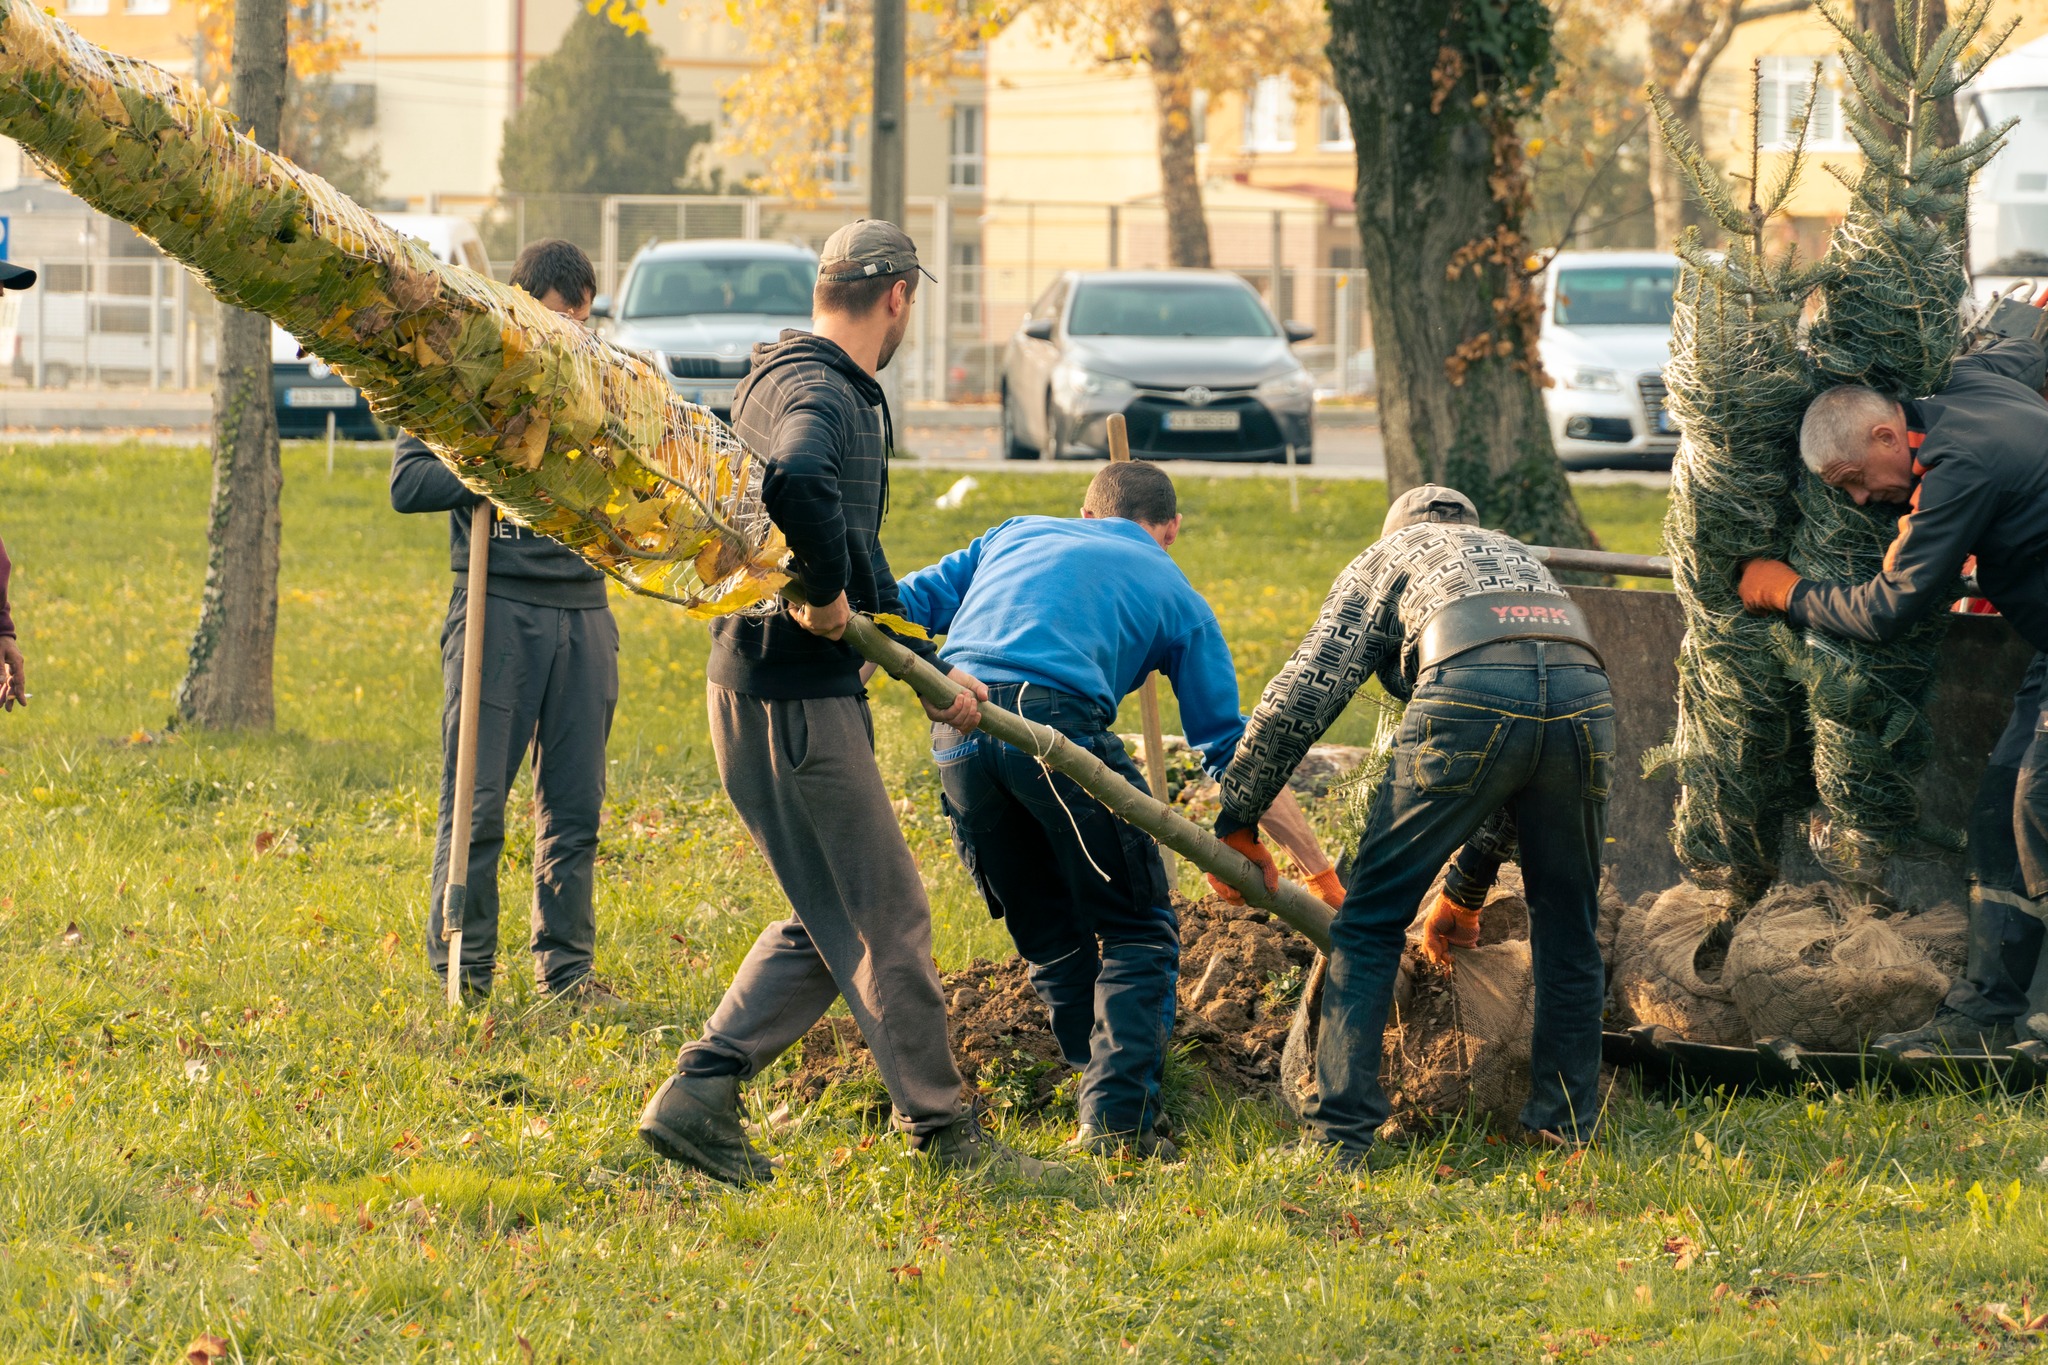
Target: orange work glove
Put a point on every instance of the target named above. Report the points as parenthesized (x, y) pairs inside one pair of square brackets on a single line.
[(1450, 925), (1246, 841), (1327, 885), (1767, 585)]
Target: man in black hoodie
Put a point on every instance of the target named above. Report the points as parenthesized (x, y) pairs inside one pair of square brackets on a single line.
[(795, 747), (550, 681)]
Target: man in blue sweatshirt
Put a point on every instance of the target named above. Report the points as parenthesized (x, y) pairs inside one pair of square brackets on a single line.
[(550, 680), (1062, 618)]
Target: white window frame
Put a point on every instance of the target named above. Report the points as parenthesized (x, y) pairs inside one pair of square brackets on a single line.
[(835, 161), (147, 6), (1783, 98), (1198, 114), (967, 166), (86, 8), (1269, 115), (1333, 122)]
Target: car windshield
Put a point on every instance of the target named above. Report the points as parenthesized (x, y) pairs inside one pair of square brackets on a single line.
[(1173, 308), (1616, 296), (720, 284)]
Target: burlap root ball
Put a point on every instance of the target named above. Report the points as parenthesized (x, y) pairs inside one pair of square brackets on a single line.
[(1815, 965), (1669, 970)]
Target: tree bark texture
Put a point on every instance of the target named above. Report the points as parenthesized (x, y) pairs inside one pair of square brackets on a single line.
[(1881, 17), (1441, 197), (1292, 903), (227, 681), (1180, 183)]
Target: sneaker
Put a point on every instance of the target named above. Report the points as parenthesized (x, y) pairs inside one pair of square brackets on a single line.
[(1092, 1141), (696, 1120), (1951, 1034), (585, 992), (965, 1145)]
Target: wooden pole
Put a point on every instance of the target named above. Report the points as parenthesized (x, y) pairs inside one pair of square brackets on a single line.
[(455, 898), (1148, 690), (1292, 903)]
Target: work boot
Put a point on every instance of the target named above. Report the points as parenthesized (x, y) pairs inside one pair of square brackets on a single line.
[(1093, 1141), (966, 1146), (585, 992), (696, 1120), (1951, 1034)]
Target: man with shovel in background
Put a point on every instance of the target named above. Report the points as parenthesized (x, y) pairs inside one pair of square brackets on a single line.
[(1508, 709), (549, 680), (1063, 618), (795, 748)]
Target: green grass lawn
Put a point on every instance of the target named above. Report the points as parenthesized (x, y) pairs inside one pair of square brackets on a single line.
[(231, 1104)]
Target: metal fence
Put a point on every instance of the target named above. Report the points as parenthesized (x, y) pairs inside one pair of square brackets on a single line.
[(142, 320)]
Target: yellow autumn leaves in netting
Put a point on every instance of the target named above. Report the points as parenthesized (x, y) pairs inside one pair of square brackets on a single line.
[(571, 436)]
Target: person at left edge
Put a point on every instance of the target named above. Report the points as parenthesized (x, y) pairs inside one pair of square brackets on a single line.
[(13, 669), (550, 682)]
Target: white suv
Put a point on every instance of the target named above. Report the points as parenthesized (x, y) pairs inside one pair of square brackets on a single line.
[(1606, 337)]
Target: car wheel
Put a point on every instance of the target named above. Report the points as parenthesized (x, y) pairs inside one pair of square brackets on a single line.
[(1013, 445), (57, 375)]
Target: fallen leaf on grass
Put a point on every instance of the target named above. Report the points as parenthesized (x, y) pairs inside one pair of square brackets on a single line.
[(197, 1071), (72, 938), (408, 1144), (536, 1126), (905, 1273), (1683, 1251), (525, 1347), (389, 944), (205, 1349), (1835, 1167), (266, 839), (1446, 1172), (840, 1156), (1643, 1295), (2023, 1323)]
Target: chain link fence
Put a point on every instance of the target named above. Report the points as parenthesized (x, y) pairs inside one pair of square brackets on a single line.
[(139, 320)]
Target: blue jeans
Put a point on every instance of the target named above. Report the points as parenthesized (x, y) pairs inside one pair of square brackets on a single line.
[(1083, 893), (1525, 727), (2008, 862)]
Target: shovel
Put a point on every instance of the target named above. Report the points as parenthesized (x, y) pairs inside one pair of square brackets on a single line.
[(455, 898)]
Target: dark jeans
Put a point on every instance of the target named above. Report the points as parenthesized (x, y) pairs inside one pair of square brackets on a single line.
[(2008, 852), (1084, 895), (550, 682), (1514, 728)]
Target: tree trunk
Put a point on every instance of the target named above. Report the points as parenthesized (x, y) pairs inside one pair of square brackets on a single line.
[(1881, 17), (1441, 194), (227, 681), (1180, 183)]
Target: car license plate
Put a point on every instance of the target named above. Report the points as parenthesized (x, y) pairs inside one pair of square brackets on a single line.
[(327, 397), (1198, 420), (714, 398)]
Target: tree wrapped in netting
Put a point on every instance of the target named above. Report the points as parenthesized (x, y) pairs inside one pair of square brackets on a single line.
[(1738, 385), (1890, 318), (576, 438)]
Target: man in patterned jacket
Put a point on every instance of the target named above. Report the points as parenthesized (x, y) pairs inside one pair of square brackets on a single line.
[(1508, 710)]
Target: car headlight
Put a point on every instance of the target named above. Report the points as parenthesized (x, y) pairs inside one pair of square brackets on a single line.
[(1072, 383), (1296, 384), (1594, 380)]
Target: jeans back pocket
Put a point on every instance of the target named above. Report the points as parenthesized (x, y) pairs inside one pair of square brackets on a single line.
[(1453, 748)]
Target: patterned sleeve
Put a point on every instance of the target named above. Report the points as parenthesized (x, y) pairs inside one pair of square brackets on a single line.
[(1358, 629)]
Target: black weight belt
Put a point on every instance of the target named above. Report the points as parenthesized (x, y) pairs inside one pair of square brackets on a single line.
[(1493, 617)]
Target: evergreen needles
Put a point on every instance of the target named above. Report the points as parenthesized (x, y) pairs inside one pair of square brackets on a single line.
[(579, 440)]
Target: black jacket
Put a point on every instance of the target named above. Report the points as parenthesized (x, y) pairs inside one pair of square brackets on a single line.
[(525, 566), (818, 423), (1983, 490)]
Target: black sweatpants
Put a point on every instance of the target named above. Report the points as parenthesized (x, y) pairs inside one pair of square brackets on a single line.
[(550, 683)]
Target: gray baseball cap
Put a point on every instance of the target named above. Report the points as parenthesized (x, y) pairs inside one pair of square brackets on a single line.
[(865, 247), (1430, 502)]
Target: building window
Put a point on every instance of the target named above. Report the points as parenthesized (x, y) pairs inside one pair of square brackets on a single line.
[(965, 161), (831, 18), (1269, 116), (1333, 123), (1786, 83), (1198, 107), (835, 160), (149, 6), (85, 6)]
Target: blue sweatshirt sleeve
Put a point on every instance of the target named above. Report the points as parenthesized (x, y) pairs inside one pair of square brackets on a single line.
[(932, 595), (1204, 679)]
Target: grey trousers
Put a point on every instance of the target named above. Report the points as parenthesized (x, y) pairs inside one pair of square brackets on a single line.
[(550, 683), (802, 775)]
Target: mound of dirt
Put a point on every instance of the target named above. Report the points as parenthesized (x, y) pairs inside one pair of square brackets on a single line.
[(1813, 964), (1239, 973)]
